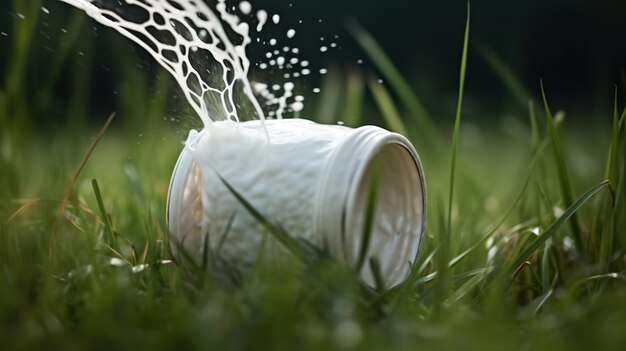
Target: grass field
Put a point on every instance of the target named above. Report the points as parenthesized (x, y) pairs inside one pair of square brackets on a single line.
[(525, 245)]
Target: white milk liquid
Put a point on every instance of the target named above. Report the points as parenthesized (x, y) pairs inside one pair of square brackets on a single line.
[(204, 52)]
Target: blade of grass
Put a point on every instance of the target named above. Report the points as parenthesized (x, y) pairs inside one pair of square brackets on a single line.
[(277, 231), (621, 196), (541, 301), (144, 254), (400, 86), (379, 282), (370, 216), (260, 258), (564, 181), (442, 283), (471, 284), (330, 96), (386, 106), (517, 200), (105, 215), (545, 267), (207, 257), (442, 287), (457, 125), (70, 187), (506, 75), (61, 53), (612, 173), (15, 102), (612, 168), (351, 112), (582, 282), (81, 83), (229, 226), (553, 228), (534, 126)]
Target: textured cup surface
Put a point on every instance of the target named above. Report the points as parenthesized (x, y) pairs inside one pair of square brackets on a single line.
[(314, 180)]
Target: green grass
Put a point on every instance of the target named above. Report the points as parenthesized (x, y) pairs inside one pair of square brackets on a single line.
[(522, 248)]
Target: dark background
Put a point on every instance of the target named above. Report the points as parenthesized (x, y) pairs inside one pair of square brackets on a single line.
[(577, 47)]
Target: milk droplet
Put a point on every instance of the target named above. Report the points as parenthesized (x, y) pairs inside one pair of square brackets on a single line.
[(263, 65), (293, 60), (299, 98), (323, 49), (272, 41), (276, 19), (332, 45), (245, 7), (295, 50), (261, 16), (280, 61), (304, 63), (114, 261), (275, 87), (323, 71), (306, 72), (291, 33), (359, 61), (45, 10), (316, 90), (139, 268), (21, 16), (297, 106)]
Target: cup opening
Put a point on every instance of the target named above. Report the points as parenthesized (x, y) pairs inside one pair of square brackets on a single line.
[(391, 181)]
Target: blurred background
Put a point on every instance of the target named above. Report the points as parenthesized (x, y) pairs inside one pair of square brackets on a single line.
[(64, 64), (62, 74)]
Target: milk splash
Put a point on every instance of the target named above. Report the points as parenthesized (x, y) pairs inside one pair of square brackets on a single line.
[(207, 59)]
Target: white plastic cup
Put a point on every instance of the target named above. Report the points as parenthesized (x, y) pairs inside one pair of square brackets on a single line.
[(312, 179)]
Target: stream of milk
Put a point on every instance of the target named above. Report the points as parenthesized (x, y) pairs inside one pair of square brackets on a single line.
[(205, 52)]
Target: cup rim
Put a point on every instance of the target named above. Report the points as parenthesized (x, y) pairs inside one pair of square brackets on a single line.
[(341, 178)]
